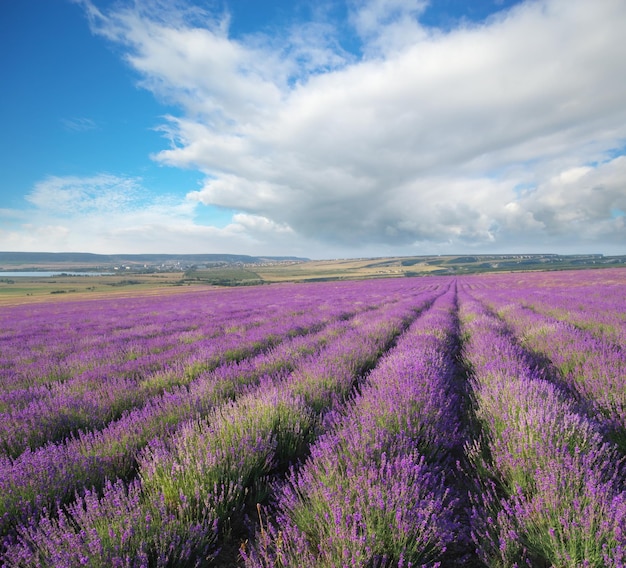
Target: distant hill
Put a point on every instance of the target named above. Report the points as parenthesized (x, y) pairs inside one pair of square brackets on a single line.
[(238, 269), (97, 260)]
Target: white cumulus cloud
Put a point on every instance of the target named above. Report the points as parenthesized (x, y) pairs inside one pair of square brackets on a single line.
[(108, 214), (503, 135)]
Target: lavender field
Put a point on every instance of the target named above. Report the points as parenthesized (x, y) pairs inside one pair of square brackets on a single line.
[(437, 421)]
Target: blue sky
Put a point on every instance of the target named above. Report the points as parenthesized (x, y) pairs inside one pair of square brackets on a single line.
[(326, 129)]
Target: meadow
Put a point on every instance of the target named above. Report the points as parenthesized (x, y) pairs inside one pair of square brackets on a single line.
[(430, 421)]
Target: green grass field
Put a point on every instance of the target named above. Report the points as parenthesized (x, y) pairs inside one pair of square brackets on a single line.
[(17, 290)]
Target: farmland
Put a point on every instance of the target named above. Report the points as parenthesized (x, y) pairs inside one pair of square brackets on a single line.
[(34, 277), (477, 420)]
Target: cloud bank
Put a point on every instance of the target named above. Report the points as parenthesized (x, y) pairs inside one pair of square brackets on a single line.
[(503, 136), (109, 214)]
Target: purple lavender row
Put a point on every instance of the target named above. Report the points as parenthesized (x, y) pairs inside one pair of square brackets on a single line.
[(325, 382), (72, 404), (212, 464), (601, 310), (52, 342), (55, 472), (63, 354), (47, 345), (94, 456), (138, 534), (108, 359), (160, 377), (550, 490), (588, 303), (591, 366), (133, 369), (373, 491), (240, 443), (96, 403), (591, 300)]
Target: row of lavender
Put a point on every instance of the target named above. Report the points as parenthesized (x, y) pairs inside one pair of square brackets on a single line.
[(84, 370), (540, 480), (379, 487), (549, 396), (473, 441), (368, 320), (39, 477), (551, 486), (582, 333)]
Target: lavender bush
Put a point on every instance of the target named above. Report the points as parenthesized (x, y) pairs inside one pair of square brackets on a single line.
[(475, 421), (554, 489), (365, 496)]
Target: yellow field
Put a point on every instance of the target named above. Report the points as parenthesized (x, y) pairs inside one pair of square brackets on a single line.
[(348, 269), (20, 290)]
